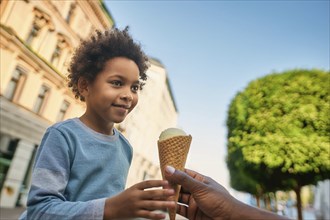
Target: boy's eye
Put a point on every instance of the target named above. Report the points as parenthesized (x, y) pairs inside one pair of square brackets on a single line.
[(116, 83), (135, 88)]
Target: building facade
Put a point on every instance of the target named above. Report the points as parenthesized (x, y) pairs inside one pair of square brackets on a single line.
[(35, 50)]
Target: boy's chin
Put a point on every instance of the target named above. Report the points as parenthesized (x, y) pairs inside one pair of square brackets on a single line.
[(119, 120)]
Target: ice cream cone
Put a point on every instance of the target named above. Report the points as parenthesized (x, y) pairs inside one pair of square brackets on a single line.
[(173, 152)]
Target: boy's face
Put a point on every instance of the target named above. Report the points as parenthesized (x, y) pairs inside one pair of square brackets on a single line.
[(114, 93)]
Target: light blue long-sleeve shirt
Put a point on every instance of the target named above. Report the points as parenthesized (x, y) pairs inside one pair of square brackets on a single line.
[(75, 170)]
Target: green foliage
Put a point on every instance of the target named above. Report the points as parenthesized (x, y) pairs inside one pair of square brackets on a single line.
[(240, 181), (278, 130)]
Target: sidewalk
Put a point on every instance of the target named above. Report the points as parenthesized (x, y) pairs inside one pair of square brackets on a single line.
[(14, 213), (11, 213)]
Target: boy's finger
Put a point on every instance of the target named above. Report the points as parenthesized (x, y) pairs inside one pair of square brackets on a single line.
[(157, 205), (157, 194), (150, 184)]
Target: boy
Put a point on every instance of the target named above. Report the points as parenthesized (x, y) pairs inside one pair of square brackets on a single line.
[(82, 163)]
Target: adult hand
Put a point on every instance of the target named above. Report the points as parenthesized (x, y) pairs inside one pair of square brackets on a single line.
[(204, 197)]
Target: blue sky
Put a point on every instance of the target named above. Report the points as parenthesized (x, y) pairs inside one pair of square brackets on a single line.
[(213, 49)]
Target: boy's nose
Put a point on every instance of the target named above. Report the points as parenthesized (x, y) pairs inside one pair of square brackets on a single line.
[(127, 96)]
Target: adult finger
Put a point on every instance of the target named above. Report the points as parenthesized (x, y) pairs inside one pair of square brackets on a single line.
[(186, 181), (184, 198), (182, 210)]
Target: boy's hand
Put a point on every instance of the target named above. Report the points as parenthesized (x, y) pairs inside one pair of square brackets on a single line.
[(140, 201)]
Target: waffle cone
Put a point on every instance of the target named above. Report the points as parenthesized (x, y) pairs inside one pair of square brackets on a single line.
[(174, 152)]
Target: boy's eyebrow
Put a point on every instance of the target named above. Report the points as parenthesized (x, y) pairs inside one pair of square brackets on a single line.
[(139, 81), (120, 76)]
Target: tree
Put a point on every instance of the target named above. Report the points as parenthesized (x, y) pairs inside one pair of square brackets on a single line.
[(278, 130)]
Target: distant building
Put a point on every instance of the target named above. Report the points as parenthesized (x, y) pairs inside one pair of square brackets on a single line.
[(37, 42), (322, 200)]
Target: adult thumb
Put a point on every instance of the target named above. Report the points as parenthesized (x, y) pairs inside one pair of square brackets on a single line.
[(181, 178)]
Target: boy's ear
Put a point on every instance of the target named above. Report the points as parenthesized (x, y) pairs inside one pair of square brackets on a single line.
[(83, 86)]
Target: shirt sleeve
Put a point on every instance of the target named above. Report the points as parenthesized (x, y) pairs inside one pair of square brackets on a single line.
[(50, 176)]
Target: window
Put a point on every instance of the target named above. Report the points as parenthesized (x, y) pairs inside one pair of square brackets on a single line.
[(40, 22), (8, 146), (7, 150), (33, 33), (64, 108), (56, 54), (43, 92), (60, 51), (70, 13), (28, 175), (145, 175), (15, 84)]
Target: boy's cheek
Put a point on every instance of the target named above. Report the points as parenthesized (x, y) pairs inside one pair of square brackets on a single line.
[(134, 104), (133, 107)]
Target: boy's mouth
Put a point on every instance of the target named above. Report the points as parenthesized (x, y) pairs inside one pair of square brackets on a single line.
[(121, 106)]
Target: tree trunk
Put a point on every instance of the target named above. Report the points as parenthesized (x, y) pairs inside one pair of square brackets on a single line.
[(267, 202), (275, 202), (299, 208), (258, 200)]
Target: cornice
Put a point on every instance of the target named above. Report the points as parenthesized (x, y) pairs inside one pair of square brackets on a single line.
[(102, 13), (74, 35), (32, 57)]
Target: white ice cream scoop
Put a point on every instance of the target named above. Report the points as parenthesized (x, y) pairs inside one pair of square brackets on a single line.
[(171, 132)]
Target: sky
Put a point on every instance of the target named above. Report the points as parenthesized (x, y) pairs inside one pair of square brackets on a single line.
[(214, 49)]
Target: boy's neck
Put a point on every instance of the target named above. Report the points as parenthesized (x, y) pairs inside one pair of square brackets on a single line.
[(97, 125)]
